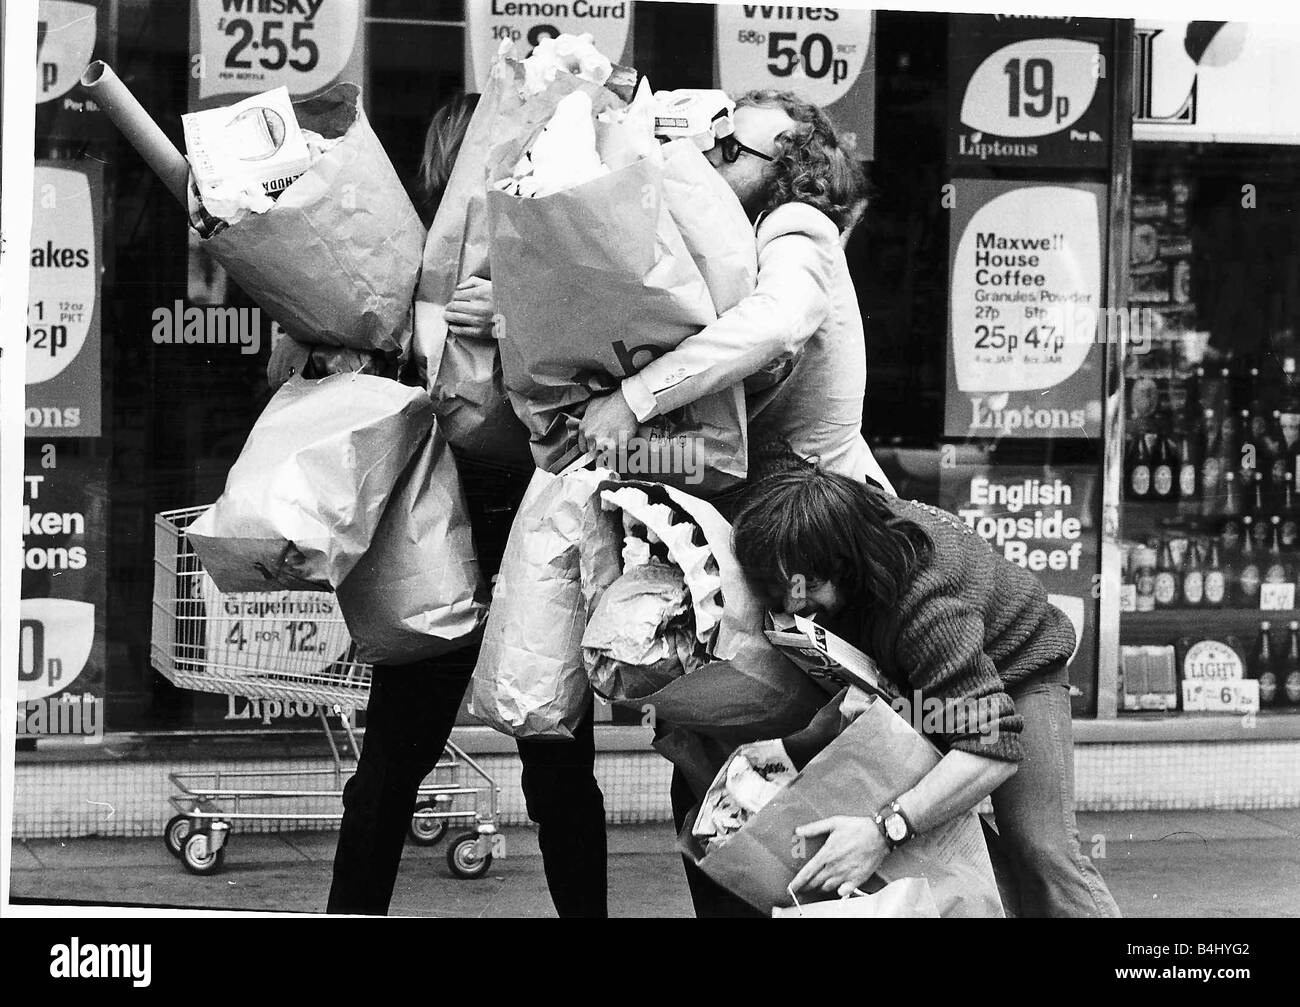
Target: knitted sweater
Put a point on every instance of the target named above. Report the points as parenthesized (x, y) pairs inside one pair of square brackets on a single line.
[(970, 626)]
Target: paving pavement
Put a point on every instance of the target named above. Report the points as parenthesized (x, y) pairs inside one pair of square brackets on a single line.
[(1209, 864)]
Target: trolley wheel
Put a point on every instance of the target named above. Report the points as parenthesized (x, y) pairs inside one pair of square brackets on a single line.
[(426, 831), (463, 858), (198, 857), (176, 830)]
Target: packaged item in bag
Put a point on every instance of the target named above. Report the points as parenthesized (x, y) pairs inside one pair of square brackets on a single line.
[(305, 496)]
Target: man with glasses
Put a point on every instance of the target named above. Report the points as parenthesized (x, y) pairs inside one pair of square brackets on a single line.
[(797, 342)]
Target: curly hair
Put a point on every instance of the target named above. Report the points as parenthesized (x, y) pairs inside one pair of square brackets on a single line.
[(812, 166)]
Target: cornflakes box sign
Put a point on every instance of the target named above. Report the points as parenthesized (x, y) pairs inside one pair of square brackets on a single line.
[(63, 345), (1212, 661)]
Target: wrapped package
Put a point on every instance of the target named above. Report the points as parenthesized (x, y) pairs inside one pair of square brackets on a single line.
[(904, 899), (749, 780), (736, 687), (306, 494), (463, 374), (602, 281), (335, 259), (529, 681), (290, 357), (877, 757), (417, 593)]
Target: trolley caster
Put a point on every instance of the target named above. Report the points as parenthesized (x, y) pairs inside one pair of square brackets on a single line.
[(425, 830), (176, 830), (463, 857), (204, 851)]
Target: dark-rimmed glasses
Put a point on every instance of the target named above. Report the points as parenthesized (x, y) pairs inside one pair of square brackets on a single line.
[(733, 148)]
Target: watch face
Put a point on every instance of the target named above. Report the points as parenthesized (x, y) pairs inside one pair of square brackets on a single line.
[(896, 828)]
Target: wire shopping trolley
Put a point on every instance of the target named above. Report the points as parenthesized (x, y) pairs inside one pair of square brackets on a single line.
[(285, 647)]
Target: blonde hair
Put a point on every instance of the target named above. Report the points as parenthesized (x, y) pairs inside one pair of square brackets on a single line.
[(442, 143)]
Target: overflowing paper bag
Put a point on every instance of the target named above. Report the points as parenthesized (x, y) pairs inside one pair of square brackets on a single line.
[(734, 686), (306, 494), (877, 757), (336, 257), (529, 681), (416, 592)]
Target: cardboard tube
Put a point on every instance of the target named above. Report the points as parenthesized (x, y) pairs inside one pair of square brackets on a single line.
[(129, 116)]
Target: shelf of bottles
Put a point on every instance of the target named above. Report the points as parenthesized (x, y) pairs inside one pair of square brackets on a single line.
[(1211, 518)]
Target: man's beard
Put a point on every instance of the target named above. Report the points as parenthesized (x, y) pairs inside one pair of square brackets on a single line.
[(762, 199)]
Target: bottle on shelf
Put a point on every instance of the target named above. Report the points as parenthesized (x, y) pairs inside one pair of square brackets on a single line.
[(1231, 510), (1139, 468), (1212, 467), (1288, 676), (1289, 413), (1249, 452), (1258, 415), (1263, 667), (1218, 578), (1164, 468), (1188, 467), (1144, 577), (1168, 576), (1290, 527), (1260, 513), (1193, 586), (1275, 451), (1248, 570), (1278, 571)]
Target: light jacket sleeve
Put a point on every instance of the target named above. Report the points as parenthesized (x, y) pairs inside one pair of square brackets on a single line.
[(791, 300)]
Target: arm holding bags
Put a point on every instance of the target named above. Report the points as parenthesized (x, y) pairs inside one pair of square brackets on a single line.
[(304, 498)]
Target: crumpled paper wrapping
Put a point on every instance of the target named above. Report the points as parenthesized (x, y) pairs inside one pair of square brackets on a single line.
[(305, 496), (530, 681), (751, 778), (335, 260), (744, 689), (417, 592)]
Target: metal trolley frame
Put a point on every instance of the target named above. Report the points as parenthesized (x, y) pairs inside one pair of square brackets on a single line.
[(287, 647)]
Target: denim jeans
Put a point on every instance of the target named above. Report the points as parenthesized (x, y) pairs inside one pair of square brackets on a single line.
[(1041, 869), (563, 798), (409, 716)]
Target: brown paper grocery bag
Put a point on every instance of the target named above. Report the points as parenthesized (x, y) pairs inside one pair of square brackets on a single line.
[(417, 593), (530, 681), (304, 497), (336, 259), (876, 758)]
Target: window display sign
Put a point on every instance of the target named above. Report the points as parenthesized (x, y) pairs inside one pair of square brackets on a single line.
[(1025, 321), (63, 344), (488, 23), (243, 47), (62, 649), (67, 39), (1043, 519), (1225, 81), (823, 54), (1029, 91)]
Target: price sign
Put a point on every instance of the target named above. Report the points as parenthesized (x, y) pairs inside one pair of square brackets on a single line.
[(69, 34), (291, 632), (1276, 597), (489, 23), (823, 54), (1026, 315), (1221, 697), (246, 48), (63, 352), (1029, 91)]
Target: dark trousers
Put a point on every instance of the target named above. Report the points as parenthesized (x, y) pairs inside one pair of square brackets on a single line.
[(410, 714), (710, 899), (563, 798)]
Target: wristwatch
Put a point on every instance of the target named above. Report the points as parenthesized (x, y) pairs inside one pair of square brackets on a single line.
[(894, 825)]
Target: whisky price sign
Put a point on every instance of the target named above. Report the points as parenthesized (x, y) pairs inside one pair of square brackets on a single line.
[(242, 47)]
